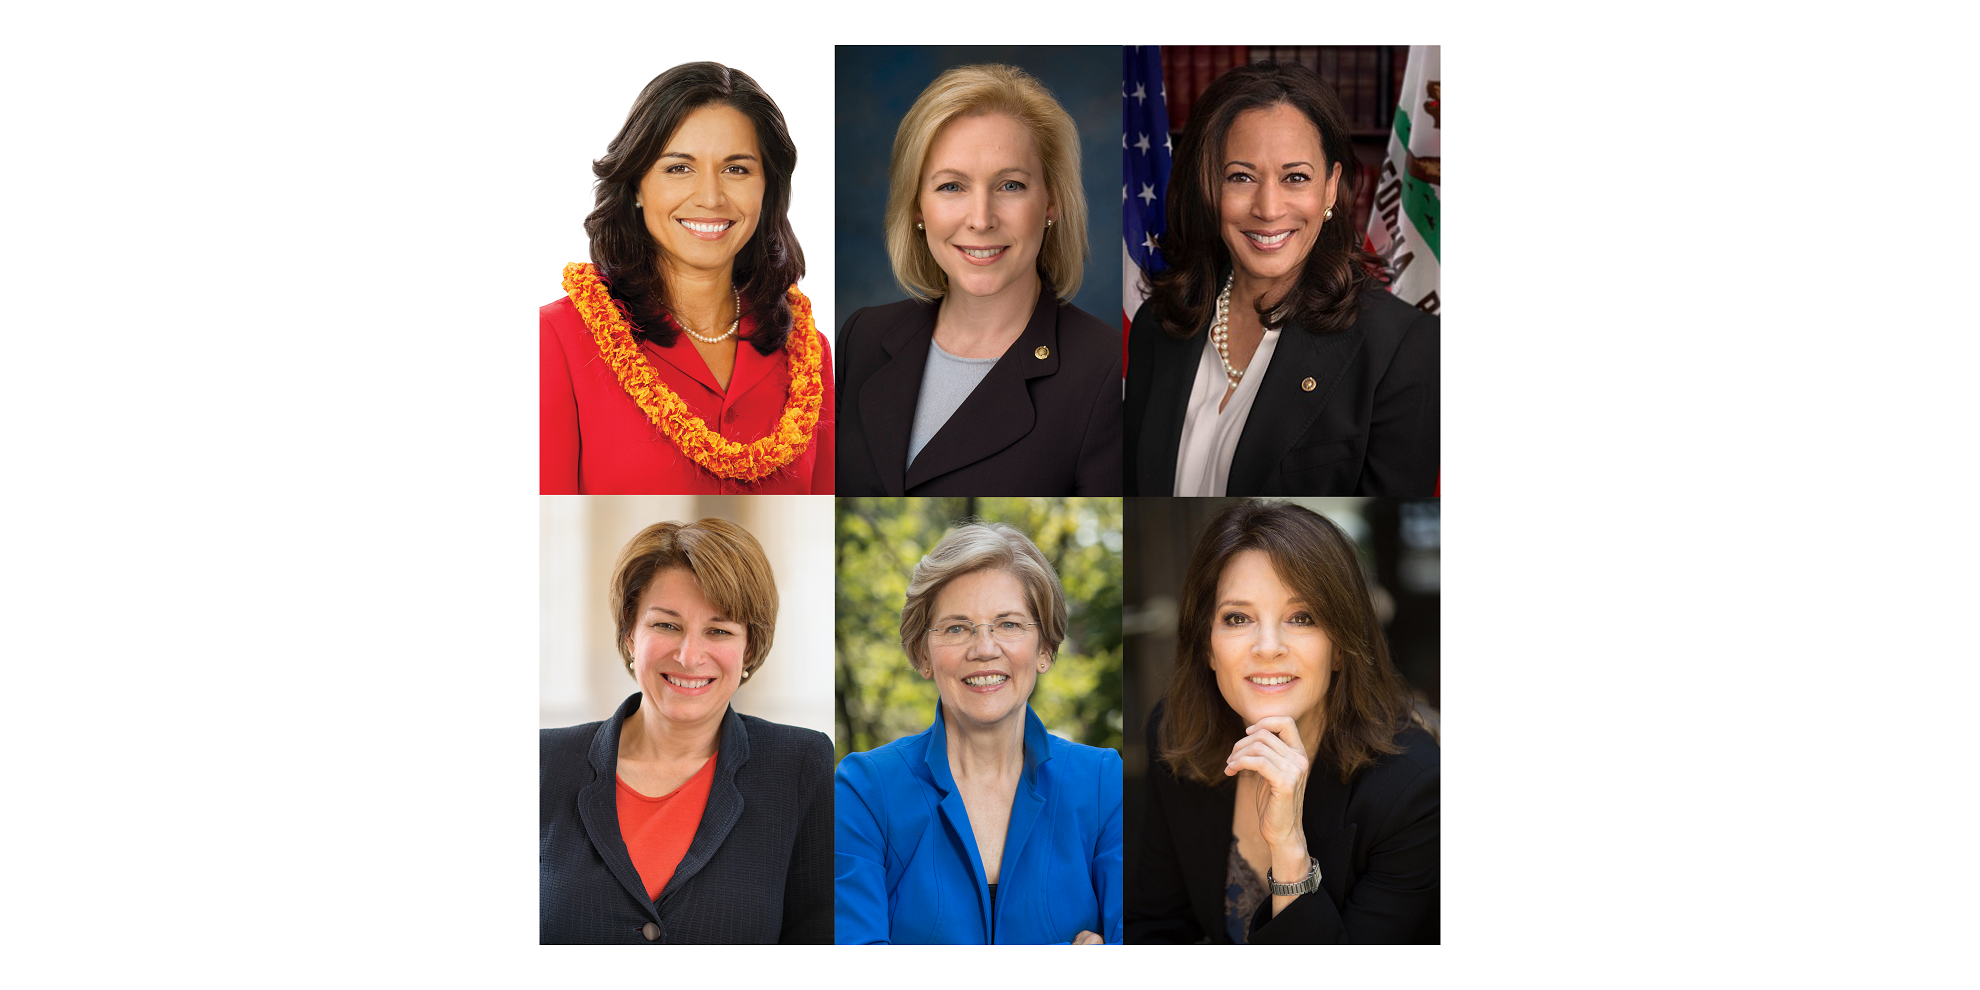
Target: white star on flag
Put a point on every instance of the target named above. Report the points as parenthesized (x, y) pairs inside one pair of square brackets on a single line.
[(1147, 193), (1140, 92), (1142, 144)]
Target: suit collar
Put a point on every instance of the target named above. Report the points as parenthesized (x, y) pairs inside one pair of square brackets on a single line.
[(749, 369), (1284, 409), (998, 412), (599, 809), (1026, 806), (1162, 440), (888, 399)]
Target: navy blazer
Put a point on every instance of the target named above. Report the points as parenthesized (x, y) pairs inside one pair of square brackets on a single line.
[(1367, 426), (908, 870), (758, 870), (1376, 838), (1046, 420)]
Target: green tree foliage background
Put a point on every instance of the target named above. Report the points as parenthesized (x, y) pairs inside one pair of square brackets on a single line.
[(880, 698)]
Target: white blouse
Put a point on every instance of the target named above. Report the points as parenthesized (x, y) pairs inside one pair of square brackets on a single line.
[(1210, 437)]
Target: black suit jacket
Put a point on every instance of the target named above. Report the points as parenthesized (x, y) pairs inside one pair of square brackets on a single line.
[(1376, 839), (1368, 426), (759, 869), (1033, 426)]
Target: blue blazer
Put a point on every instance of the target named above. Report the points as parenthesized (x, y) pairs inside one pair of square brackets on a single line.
[(906, 866)]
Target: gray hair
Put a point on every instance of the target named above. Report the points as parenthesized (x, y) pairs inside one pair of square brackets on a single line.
[(975, 546)]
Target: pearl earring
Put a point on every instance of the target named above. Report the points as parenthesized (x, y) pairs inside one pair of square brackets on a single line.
[(917, 225), (1048, 221), (1329, 215)]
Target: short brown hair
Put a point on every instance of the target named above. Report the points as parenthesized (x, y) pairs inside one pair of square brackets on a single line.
[(976, 546), (735, 578), (1367, 703), (974, 91)]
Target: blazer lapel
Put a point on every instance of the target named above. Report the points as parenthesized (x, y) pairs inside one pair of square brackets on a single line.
[(1162, 440), (999, 412), (1207, 829), (1284, 409), (888, 398), (725, 804), (752, 367), (1029, 801), (956, 814), (1324, 817), (598, 806), (685, 358)]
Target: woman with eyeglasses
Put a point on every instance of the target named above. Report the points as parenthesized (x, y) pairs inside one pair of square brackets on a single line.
[(983, 828)]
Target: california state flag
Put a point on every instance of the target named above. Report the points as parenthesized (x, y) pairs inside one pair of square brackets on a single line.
[(1403, 226)]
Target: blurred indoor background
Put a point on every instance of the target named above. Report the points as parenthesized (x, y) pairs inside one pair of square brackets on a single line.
[(881, 698), (582, 677), (1398, 540)]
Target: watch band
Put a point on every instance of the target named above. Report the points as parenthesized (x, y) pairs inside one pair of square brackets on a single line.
[(1306, 886)]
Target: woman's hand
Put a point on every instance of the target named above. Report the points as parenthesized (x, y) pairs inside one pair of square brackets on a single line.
[(1272, 748), (1088, 938)]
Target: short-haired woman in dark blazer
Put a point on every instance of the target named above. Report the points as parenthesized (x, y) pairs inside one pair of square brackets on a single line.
[(1295, 791), (986, 381), (1269, 360), (677, 820)]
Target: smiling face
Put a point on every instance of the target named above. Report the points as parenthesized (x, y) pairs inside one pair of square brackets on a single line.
[(687, 657), (1267, 648), (1274, 190), (703, 197), (983, 204), (986, 680)]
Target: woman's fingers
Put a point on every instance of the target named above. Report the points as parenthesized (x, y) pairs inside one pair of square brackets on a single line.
[(1281, 727), (1088, 938), (1277, 777)]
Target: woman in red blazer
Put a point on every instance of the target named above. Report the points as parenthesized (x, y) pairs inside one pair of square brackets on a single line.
[(683, 359)]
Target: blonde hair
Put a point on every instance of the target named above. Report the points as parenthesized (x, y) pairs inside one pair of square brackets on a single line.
[(972, 547), (728, 562), (973, 91)]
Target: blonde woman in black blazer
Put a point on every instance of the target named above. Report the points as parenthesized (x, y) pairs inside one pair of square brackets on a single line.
[(985, 381), (1268, 359)]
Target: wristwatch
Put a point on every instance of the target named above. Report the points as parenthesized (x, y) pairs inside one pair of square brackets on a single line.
[(1306, 886)]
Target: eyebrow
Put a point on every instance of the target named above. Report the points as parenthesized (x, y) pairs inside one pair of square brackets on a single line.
[(958, 615), (738, 157), (964, 175), (669, 611), (1293, 600), (1297, 164)]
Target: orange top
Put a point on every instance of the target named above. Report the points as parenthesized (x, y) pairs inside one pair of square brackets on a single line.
[(658, 830)]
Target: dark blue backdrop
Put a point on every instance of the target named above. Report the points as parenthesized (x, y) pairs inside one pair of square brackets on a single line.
[(877, 84)]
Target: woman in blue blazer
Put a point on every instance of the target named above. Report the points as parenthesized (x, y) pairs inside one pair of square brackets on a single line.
[(983, 828)]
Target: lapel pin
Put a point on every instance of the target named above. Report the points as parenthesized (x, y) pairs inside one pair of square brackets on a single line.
[(1306, 385), (1042, 352)]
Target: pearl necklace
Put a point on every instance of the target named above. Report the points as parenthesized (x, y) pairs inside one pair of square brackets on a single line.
[(1220, 334), (732, 327)]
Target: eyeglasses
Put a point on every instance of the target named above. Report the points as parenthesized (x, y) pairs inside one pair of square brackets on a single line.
[(959, 633)]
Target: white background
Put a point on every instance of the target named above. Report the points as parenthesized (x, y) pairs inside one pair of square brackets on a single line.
[(271, 565)]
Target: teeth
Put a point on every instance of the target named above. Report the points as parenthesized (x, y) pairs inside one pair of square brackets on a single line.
[(683, 682), (983, 252), (1269, 681), (706, 228), (985, 680), (1268, 240)]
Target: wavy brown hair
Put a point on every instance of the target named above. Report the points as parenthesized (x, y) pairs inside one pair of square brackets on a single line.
[(1367, 702), (1327, 296), (623, 249)]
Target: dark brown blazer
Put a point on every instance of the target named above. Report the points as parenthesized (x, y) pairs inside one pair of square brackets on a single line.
[(1376, 838), (1368, 426), (1035, 425)]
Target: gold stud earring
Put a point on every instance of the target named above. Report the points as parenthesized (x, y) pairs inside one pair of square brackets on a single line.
[(1329, 215)]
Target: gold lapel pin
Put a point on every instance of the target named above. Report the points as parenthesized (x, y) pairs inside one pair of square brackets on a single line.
[(1306, 385), (1042, 352)]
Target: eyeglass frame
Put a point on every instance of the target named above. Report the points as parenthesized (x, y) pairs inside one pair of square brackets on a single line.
[(972, 631)]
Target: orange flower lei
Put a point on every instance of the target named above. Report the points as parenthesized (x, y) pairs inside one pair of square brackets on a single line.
[(721, 456)]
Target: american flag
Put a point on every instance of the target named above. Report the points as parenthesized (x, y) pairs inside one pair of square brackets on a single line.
[(1145, 170)]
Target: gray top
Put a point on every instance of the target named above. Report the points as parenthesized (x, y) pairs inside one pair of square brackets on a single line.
[(945, 383)]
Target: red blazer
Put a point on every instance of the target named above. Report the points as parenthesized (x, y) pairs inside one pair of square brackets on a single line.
[(597, 441)]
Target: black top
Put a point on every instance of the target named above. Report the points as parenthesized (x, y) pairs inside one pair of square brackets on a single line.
[(1368, 426), (759, 869), (1034, 425), (1376, 838)]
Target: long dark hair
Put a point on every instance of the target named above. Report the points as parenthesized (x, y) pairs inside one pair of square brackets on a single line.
[(623, 249), (1327, 296), (1367, 702)]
